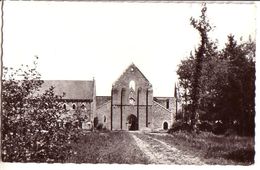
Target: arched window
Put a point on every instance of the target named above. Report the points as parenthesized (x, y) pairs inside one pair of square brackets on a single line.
[(132, 85), (82, 106), (165, 126), (64, 106), (74, 106)]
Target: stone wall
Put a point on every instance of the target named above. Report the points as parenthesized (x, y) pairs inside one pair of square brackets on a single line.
[(74, 109), (82, 108), (168, 102), (132, 94), (103, 113), (161, 115), (102, 100)]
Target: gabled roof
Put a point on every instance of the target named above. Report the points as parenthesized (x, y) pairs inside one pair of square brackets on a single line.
[(73, 89), (127, 69)]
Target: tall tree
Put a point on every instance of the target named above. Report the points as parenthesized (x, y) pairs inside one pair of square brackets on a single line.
[(240, 89), (219, 85), (203, 26)]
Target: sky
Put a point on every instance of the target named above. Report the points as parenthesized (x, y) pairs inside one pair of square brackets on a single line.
[(82, 40)]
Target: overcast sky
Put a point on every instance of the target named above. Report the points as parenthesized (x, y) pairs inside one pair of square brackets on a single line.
[(82, 40)]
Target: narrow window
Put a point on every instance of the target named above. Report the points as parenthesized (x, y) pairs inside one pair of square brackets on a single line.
[(74, 106), (167, 103), (64, 106), (132, 85), (105, 119)]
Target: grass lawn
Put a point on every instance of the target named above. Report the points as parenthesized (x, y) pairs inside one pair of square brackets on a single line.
[(106, 147), (214, 149)]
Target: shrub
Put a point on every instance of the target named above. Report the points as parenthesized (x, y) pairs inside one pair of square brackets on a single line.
[(180, 126), (30, 129), (218, 128), (205, 126)]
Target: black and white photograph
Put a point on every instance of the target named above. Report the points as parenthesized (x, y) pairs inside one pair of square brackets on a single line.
[(128, 83)]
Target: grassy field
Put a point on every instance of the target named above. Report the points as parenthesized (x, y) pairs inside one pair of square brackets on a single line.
[(214, 149), (106, 147), (119, 147)]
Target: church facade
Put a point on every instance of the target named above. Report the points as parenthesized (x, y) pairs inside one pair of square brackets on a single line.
[(131, 105)]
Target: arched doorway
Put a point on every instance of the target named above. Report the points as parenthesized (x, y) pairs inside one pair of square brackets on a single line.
[(132, 122), (165, 126)]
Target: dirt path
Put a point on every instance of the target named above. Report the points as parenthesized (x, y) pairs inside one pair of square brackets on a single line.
[(160, 152)]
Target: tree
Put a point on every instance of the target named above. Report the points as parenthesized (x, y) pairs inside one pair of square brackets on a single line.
[(219, 85), (31, 131), (240, 90), (185, 73), (203, 26)]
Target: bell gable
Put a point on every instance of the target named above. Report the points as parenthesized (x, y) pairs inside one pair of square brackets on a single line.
[(132, 78)]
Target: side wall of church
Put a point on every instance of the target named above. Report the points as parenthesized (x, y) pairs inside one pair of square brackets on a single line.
[(167, 102), (103, 113), (93, 103), (160, 116), (82, 109)]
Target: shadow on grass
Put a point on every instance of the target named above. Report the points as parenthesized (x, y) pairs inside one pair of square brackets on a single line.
[(106, 147), (214, 149), (242, 155)]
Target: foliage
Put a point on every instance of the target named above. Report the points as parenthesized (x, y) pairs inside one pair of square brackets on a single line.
[(203, 27), (180, 126), (31, 131), (219, 85)]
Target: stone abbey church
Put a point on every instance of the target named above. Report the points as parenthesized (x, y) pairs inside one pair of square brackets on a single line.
[(131, 105)]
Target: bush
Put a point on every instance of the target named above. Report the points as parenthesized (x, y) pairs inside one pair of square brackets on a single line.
[(218, 128), (205, 126), (30, 129), (180, 126)]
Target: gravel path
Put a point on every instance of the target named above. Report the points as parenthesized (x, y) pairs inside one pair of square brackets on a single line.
[(160, 152)]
